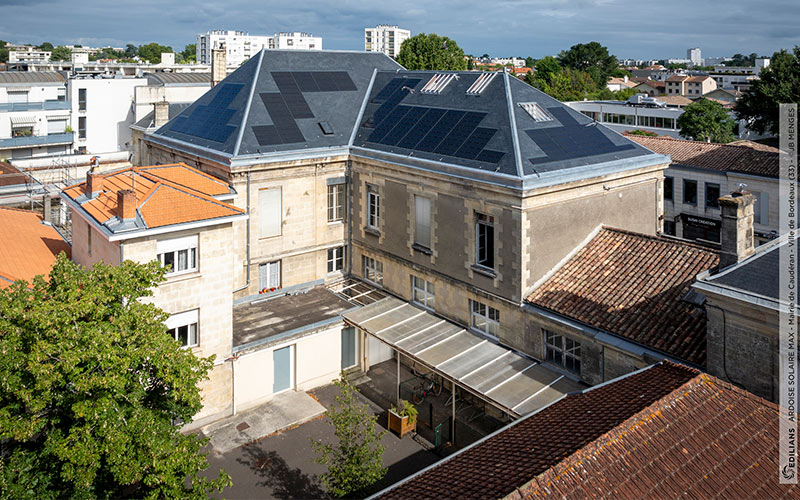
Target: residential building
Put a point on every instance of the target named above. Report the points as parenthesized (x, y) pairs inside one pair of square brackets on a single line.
[(34, 115), (623, 83), (724, 95), (109, 68), (241, 46), (664, 431), (739, 78), (652, 88), (29, 245), (102, 112), (437, 188), (28, 54), (385, 38), (170, 87), (690, 86), (181, 217), (695, 55), (700, 172), (622, 117)]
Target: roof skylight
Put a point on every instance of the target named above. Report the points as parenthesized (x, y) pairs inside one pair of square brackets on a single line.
[(480, 83), (536, 112), (436, 84)]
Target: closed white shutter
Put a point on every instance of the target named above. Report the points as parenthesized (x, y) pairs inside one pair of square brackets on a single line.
[(263, 276), (269, 212), (422, 216), (275, 274), (57, 126), (17, 96)]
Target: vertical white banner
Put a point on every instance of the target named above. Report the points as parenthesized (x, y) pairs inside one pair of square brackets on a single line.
[(787, 453)]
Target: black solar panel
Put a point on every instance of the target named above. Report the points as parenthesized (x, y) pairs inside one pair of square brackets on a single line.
[(459, 133), (305, 81), (415, 135), (403, 126), (389, 89), (385, 126), (490, 156), (475, 143), (210, 121), (342, 81), (281, 117), (324, 82), (267, 135), (443, 127)]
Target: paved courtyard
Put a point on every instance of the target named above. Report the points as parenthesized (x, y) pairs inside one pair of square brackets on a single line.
[(281, 465)]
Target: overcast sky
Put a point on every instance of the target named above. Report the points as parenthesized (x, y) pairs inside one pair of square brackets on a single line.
[(498, 27)]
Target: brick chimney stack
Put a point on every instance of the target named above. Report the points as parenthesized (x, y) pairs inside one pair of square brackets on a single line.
[(219, 63), (126, 204), (737, 227), (160, 113), (94, 183)]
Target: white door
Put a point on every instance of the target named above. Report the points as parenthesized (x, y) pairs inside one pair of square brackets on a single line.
[(283, 369)]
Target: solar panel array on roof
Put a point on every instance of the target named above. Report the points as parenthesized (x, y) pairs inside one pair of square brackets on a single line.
[(211, 121), (571, 140)]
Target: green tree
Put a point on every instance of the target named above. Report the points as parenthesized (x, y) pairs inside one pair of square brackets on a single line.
[(3, 51), (530, 62), (592, 58), (61, 53), (46, 46), (778, 83), (189, 53), (706, 120), (131, 51), (152, 52), (431, 52), (91, 387), (356, 462)]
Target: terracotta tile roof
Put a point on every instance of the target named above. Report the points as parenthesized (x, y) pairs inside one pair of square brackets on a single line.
[(755, 145), (27, 246), (632, 285), (699, 79), (722, 157), (11, 175), (498, 465), (621, 81), (707, 439), (165, 195), (675, 100), (653, 83), (677, 78), (665, 432)]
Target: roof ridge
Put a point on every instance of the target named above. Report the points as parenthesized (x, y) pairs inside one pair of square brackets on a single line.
[(202, 196), (659, 237), (246, 114), (146, 170), (23, 210), (664, 138)]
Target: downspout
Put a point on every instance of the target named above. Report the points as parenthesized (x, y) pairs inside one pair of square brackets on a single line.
[(121, 250), (247, 267), (349, 180)]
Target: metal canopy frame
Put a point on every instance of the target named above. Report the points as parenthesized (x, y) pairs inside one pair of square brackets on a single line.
[(498, 375)]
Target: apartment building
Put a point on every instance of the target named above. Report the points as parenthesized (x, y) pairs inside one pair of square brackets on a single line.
[(28, 54), (622, 117), (695, 55), (385, 38), (34, 115), (700, 173), (690, 86), (241, 46), (739, 78)]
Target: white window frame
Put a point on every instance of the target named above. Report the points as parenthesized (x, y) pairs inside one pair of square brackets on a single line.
[(188, 320), (373, 207), (177, 247), (336, 201), (484, 319), (486, 221), (423, 293), (267, 226), (566, 349), (336, 259), (273, 273), (373, 270), (422, 221)]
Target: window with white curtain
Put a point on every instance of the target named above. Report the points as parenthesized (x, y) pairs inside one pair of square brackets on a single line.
[(269, 275), (270, 217), (422, 221), (178, 255), (183, 328)]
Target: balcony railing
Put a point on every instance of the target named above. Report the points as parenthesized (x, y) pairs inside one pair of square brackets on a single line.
[(35, 106), (37, 140)]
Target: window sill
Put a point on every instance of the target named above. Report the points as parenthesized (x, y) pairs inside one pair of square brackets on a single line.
[(333, 222), (372, 231), (422, 249), (175, 278), (484, 271)]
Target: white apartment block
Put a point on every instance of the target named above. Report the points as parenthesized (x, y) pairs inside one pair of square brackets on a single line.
[(241, 46), (28, 54), (385, 38), (695, 56)]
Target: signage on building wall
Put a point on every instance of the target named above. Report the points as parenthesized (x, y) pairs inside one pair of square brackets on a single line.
[(693, 220)]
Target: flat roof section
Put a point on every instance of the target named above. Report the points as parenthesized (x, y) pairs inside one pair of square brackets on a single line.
[(502, 377), (268, 319)]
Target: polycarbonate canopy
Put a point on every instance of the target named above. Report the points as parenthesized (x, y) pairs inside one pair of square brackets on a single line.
[(512, 382)]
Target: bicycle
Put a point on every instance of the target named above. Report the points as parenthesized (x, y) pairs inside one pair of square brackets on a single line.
[(425, 388)]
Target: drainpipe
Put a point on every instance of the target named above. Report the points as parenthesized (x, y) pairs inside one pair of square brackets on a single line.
[(350, 203), (233, 359), (247, 270)]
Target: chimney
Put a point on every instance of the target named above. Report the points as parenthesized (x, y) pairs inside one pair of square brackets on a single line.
[(160, 113), (218, 64), (737, 227), (46, 204), (94, 183), (126, 204)]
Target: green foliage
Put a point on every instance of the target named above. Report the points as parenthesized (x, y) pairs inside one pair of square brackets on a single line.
[(131, 51), (151, 52), (778, 83), (46, 46), (592, 58), (356, 462), (431, 52), (61, 53), (645, 133), (530, 62), (3, 51), (189, 53), (91, 387), (406, 409), (706, 120), (742, 60)]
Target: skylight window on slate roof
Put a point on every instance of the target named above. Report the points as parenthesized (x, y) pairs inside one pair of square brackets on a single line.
[(480, 83), (436, 84), (537, 112)]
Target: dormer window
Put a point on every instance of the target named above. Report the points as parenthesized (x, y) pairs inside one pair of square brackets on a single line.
[(536, 112)]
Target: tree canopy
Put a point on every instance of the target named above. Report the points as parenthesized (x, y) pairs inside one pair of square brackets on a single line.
[(570, 84), (431, 52), (91, 387), (152, 52), (61, 53), (46, 46), (706, 120), (778, 83), (592, 58), (3, 51)]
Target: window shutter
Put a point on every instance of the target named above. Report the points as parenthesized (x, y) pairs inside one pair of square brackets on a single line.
[(269, 212), (56, 126), (422, 216)]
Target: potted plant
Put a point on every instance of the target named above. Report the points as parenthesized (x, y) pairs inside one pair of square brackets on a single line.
[(402, 418)]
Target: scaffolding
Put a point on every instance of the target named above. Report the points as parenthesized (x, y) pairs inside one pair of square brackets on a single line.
[(43, 187)]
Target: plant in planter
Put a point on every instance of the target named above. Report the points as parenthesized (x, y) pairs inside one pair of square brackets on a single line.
[(403, 418)]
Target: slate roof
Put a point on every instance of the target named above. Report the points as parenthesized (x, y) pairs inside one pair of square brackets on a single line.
[(28, 247), (758, 274), (667, 431), (277, 100), (632, 285), (174, 109), (166, 195), (721, 157), (495, 467), (281, 104), (181, 78)]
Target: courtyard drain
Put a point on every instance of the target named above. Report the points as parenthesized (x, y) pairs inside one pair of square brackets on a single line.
[(242, 427)]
